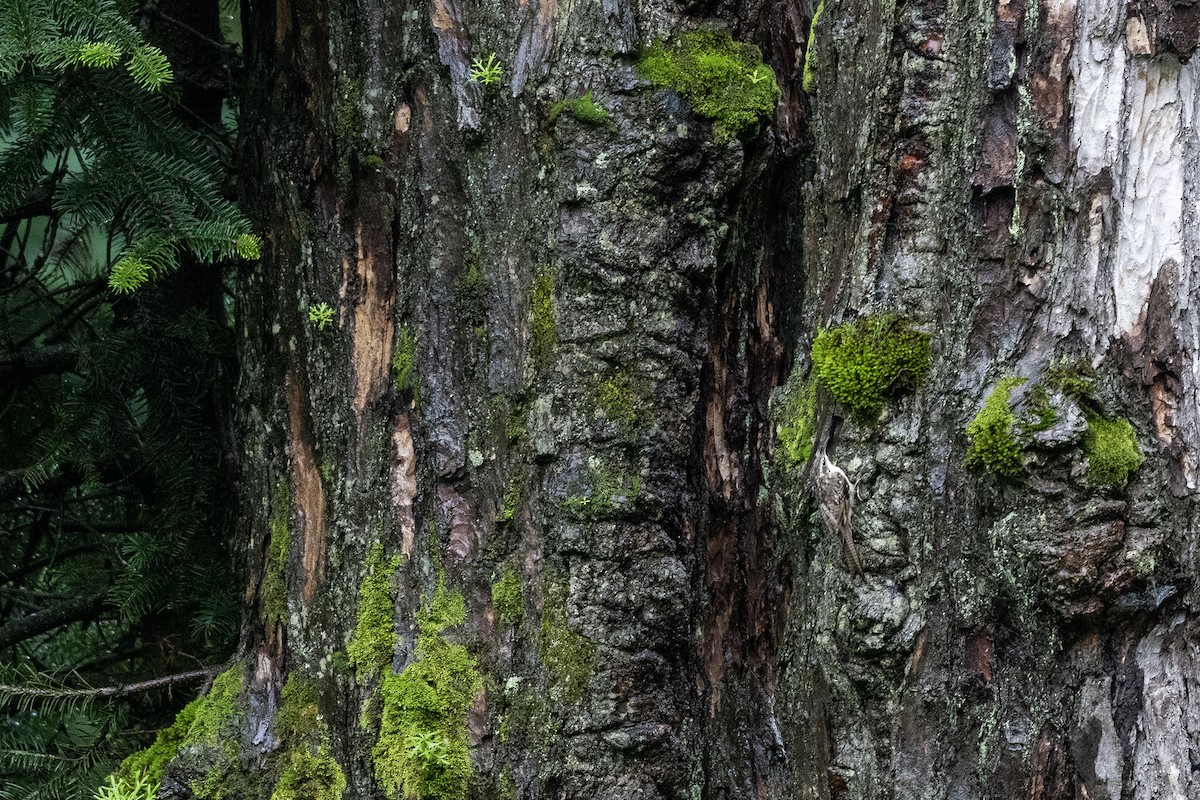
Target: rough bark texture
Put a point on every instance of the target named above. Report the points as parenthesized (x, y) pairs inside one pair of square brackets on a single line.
[(597, 319)]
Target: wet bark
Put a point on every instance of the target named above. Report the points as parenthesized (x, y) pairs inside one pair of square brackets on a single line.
[(1013, 177)]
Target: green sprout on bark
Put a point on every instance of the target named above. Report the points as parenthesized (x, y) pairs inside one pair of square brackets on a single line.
[(320, 315), (486, 72)]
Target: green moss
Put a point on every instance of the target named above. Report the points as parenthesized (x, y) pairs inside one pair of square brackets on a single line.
[(585, 109), (796, 422), (1039, 412), (512, 500), (616, 400), (298, 716), (810, 53), (609, 494), (569, 657), (274, 585), (1072, 378), (374, 639), (993, 434), (543, 334), (723, 80), (213, 727), (506, 597), (149, 763), (1112, 451), (404, 361), (422, 752), (215, 711), (862, 363), (308, 771), (310, 776)]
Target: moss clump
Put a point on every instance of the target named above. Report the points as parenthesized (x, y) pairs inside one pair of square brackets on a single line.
[(310, 776), (1072, 378), (543, 335), (216, 710), (616, 400), (204, 722), (404, 361), (149, 763), (796, 426), (809, 83), (511, 501), (472, 292), (610, 493), (862, 363), (214, 728), (422, 752), (723, 80), (374, 638), (298, 715), (274, 585), (506, 597), (993, 434), (1112, 451), (585, 109), (308, 770), (569, 657)]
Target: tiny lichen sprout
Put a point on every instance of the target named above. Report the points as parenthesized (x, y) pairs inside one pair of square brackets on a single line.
[(487, 72), (320, 315)]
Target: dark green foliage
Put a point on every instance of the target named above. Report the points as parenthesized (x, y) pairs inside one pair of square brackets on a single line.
[(113, 497), (993, 434), (862, 363), (1112, 451), (723, 80), (106, 145)]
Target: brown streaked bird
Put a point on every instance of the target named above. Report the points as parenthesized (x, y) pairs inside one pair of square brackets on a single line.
[(835, 500)]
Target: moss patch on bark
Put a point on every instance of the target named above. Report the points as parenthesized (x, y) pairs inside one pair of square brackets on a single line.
[(374, 638), (1112, 451), (274, 586), (506, 597), (307, 769), (863, 363), (422, 752), (993, 434), (721, 79), (569, 657)]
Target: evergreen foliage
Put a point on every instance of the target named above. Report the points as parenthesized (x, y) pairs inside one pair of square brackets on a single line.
[(104, 145), (113, 497)]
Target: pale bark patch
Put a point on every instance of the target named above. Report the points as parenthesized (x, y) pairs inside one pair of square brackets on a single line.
[(374, 329), (404, 484), (308, 491)]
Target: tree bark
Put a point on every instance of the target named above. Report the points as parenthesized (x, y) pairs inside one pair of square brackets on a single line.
[(597, 320)]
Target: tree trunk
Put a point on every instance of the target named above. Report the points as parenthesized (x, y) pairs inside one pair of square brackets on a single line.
[(547, 385)]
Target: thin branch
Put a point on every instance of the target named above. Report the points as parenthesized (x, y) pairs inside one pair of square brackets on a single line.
[(110, 691)]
